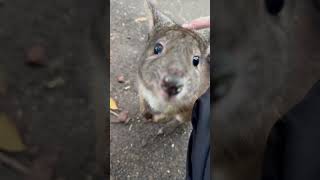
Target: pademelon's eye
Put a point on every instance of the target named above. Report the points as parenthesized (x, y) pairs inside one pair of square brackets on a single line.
[(157, 48), (195, 60), (274, 6)]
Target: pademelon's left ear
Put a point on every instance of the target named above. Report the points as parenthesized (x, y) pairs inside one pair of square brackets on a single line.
[(156, 18), (204, 34)]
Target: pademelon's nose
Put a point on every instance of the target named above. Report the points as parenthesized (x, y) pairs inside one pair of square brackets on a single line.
[(171, 85)]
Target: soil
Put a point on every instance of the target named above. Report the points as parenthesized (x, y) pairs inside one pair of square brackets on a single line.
[(53, 74), (136, 151)]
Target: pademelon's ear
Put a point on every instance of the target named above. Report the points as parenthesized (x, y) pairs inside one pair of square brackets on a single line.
[(208, 54), (156, 18), (204, 34)]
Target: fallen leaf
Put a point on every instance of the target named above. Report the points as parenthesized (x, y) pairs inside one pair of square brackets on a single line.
[(124, 116), (10, 139), (140, 19), (36, 55), (113, 104)]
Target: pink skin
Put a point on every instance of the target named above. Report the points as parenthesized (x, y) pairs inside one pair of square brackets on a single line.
[(199, 23), (162, 93)]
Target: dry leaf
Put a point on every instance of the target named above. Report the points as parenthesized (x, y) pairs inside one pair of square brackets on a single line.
[(113, 104), (140, 19), (123, 117), (10, 139)]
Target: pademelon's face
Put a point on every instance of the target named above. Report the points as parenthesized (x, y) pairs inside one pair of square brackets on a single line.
[(266, 57), (174, 66)]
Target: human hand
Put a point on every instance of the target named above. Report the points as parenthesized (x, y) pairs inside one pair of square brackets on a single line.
[(200, 23)]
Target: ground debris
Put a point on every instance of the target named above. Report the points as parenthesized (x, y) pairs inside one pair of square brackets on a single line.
[(42, 167), (122, 117), (36, 55), (140, 19), (120, 79), (58, 81)]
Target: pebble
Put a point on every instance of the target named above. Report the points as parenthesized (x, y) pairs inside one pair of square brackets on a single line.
[(124, 116), (143, 142), (59, 81), (36, 55), (127, 87), (120, 79)]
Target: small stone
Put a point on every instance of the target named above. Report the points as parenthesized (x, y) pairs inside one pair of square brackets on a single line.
[(120, 79), (172, 145), (143, 142), (127, 87), (123, 116), (59, 81), (160, 131), (36, 55)]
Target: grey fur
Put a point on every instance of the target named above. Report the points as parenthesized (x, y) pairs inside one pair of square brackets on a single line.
[(180, 45)]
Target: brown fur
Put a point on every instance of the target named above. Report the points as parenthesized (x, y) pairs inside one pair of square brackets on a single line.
[(180, 45)]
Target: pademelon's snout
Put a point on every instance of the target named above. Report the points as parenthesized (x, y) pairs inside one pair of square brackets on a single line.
[(171, 85)]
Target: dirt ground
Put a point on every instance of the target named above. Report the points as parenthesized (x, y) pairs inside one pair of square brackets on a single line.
[(135, 152), (52, 71)]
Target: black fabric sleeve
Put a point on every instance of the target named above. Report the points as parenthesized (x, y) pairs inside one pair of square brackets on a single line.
[(293, 147), (198, 156)]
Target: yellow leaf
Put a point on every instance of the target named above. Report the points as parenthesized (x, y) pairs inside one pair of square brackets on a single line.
[(10, 139), (113, 104)]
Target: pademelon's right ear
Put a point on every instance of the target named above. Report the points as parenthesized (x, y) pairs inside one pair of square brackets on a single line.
[(156, 18)]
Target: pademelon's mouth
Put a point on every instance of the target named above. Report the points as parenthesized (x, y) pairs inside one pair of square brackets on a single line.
[(222, 85)]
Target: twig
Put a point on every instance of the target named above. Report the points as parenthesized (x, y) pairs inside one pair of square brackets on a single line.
[(114, 113), (13, 163)]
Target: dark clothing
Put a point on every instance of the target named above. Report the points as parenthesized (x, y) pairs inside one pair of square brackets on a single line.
[(198, 156), (293, 149)]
